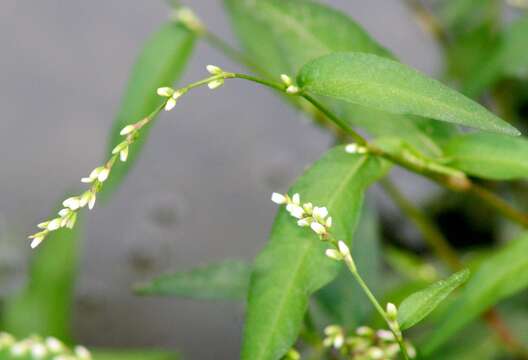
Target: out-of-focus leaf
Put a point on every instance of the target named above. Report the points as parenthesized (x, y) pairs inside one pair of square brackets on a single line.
[(504, 274), (460, 15), (342, 299), (228, 280), (509, 58), (387, 85), (283, 35), (134, 355), (410, 265), (490, 156), (420, 304), (160, 63), (293, 264), (44, 306)]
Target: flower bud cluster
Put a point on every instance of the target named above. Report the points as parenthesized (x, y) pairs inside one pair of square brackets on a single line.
[(307, 215), (67, 216), (365, 344), (36, 348)]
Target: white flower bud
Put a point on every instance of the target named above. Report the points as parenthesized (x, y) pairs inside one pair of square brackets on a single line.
[(355, 149), (278, 198), (320, 213), (165, 91), (286, 80), (308, 207), (333, 254), (317, 228), (170, 104), (103, 174), (343, 249), (85, 198), (73, 203), (215, 84), (127, 130), (292, 90), (303, 222), (296, 199), (295, 211), (65, 212), (392, 311), (120, 147), (54, 224), (123, 154), (36, 241), (91, 200), (328, 222), (214, 70)]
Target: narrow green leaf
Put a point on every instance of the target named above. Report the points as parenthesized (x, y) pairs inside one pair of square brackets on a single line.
[(228, 280), (133, 355), (509, 58), (420, 304), (490, 156), (44, 306), (293, 264), (387, 85), (343, 300), (160, 63), (502, 275)]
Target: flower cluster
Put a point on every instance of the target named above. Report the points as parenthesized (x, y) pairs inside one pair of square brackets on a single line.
[(306, 214), (68, 215), (365, 344), (36, 348)]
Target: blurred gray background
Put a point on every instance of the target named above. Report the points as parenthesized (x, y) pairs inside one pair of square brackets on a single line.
[(199, 193)]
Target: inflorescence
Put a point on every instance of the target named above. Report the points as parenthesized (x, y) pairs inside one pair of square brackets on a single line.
[(37, 348), (365, 343)]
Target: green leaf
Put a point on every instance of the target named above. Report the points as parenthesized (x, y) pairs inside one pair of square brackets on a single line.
[(502, 275), (420, 304), (489, 156), (161, 63), (509, 58), (228, 280), (293, 264), (44, 306), (463, 14), (387, 85), (133, 355), (343, 299)]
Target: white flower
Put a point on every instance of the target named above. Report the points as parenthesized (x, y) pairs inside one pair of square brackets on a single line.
[(170, 104), (333, 254), (54, 224), (295, 210), (214, 70), (65, 212), (127, 130), (296, 199), (355, 149), (320, 213), (392, 311), (93, 175), (38, 351), (318, 228), (214, 84), (278, 198), (82, 353), (303, 222), (19, 349), (54, 345), (91, 201), (172, 96), (70, 222), (36, 241), (165, 91), (123, 154), (72, 203), (308, 207)]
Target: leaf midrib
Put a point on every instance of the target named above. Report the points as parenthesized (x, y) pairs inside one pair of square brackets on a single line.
[(302, 257)]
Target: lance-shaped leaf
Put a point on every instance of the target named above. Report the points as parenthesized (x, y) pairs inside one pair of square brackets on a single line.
[(45, 304), (228, 280), (420, 304), (490, 156), (387, 85), (502, 275), (293, 264), (160, 63)]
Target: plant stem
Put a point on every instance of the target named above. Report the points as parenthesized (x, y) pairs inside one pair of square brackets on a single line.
[(377, 306)]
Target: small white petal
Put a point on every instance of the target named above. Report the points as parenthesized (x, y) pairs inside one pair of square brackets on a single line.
[(339, 341), (123, 154), (165, 91), (103, 175), (278, 198), (87, 180), (177, 94), (292, 90), (85, 197), (72, 203), (213, 70), (343, 248), (54, 224), (38, 351), (303, 222), (127, 130), (82, 353), (170, 104), (54, 345), (333, 254), (215, 84), (308, 207), (95, 172), (328, 222), (64, 212), (297, 212), (385, 335), (43, 225), (91, 201), (320, 213), (296, 199), (318, 228), (36, 241)]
